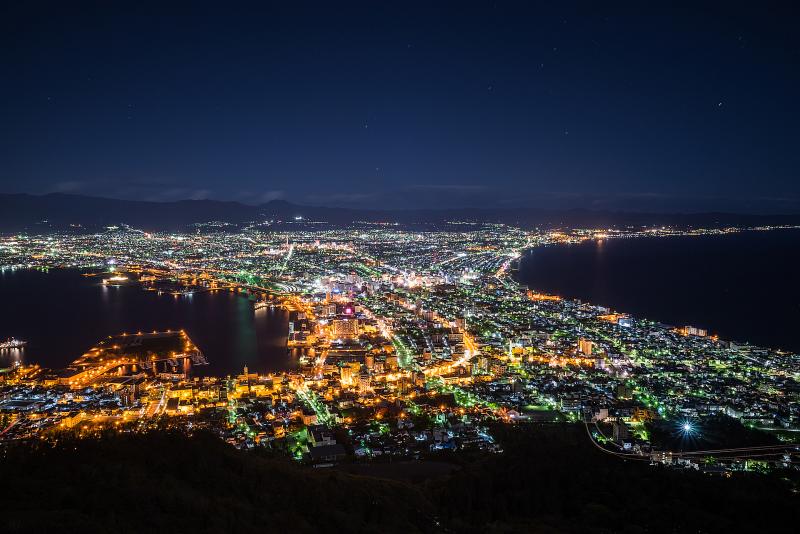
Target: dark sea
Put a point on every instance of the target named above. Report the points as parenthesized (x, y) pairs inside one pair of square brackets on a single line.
[(744, 286), (61, 314)]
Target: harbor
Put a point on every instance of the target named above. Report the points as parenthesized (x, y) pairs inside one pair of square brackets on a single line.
[(233, 327)]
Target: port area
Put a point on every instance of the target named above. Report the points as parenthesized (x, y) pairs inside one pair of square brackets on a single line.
[(188, 283), (170, 352)]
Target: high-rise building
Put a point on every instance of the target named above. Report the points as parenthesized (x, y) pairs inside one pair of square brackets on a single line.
[(364, 383), (694, 331), (348, 373), (343, 328), (585, 346)]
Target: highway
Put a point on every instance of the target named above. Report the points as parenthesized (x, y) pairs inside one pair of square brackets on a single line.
[(740, 453)]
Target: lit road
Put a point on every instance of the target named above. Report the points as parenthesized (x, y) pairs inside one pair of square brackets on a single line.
[(309, 398), (157, 408)]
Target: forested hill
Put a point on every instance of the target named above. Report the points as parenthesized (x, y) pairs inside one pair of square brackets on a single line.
[(549, 479)]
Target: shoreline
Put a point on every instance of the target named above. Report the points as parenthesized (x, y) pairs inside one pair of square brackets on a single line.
[(150, 305), (587, 298)]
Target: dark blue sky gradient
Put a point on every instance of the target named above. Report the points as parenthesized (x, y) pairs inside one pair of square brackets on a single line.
[(397, 104)]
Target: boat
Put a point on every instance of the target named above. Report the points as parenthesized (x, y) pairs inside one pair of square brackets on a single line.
[(184, 292), (115, 280), (13, 343), (261, 304)]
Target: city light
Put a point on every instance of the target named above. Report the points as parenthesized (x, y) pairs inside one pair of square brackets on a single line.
[(427, 335)]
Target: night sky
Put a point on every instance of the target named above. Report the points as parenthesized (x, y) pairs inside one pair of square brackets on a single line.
[(395, 104)]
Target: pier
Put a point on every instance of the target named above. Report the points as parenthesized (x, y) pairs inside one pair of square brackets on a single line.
[(140, 351)]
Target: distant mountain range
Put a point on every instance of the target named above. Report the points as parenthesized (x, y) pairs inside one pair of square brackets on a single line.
[(57, 211)]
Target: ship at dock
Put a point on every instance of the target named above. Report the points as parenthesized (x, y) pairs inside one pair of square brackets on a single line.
[(261, 304), (12, 343)]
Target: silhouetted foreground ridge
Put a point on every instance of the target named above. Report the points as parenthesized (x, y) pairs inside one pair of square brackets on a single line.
[(549, 479)]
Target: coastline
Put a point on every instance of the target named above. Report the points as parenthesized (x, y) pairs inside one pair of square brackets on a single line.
[(626, 295)]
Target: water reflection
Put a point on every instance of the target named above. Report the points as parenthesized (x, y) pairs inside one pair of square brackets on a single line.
[(10, 358), (62, 314)]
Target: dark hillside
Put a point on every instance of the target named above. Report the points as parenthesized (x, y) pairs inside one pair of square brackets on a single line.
[(549, 479), (168, 483)]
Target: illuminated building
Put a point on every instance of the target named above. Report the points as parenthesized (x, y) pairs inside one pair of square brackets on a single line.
[(693, 331), (344, 328), (364, 383), (348, 373), (585, 346)]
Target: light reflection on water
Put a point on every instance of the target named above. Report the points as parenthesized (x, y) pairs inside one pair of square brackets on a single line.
[(61, 314), (12, 357)]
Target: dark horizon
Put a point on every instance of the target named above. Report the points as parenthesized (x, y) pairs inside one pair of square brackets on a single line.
[(505, 104), (284, 201), (22, 212)]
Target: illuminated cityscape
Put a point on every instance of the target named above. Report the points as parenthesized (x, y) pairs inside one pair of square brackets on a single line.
[(409, 342), (479, 267)]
